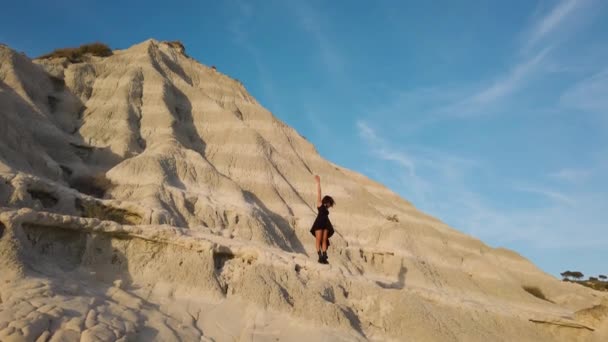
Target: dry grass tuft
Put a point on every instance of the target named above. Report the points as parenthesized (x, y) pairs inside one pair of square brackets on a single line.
[(98, 210), (176, 44), (75, 55), (393, 218)]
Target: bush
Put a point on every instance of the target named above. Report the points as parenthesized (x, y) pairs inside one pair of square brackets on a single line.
[(536, 292), (572, 274), (392, 218), (100, 211), (577, 275), (75, 55), (176, 44)]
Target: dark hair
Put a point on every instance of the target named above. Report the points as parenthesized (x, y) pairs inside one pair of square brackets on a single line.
[(328, 200)]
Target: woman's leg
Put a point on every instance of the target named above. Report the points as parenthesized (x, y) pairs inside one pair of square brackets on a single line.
[(319, 237), (324, 240)]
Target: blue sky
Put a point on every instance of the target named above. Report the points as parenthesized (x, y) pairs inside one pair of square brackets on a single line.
[(490, 115)]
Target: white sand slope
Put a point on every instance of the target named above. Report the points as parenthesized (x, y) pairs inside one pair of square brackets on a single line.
[(144, 196)]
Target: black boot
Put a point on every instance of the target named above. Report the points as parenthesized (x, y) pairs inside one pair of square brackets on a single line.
[(320, 257), (324, 257)]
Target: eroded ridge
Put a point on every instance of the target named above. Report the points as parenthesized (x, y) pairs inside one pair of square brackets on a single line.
[(85, 275)]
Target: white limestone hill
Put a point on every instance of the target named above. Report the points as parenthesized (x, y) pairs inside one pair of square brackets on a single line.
[(145, 196)]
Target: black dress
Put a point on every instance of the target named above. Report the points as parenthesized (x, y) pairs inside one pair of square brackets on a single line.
[(322, 222)]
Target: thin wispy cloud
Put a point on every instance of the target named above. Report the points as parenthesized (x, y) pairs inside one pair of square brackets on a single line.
[(481, 102), (575, 176), (382, 150), (554, 226), (547, 193), (466, 101), (589, 94), (398, 157), (487, 98), (311, 21), (509, 83), (433, 180), (367, 132), (412, 158), (441, 183), (320, 129), (244, 13), (552, 21)]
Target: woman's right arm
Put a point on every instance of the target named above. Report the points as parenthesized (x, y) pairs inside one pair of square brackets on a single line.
[(318, 180)]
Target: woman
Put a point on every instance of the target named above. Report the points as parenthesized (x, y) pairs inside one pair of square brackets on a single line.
[(322, 229)]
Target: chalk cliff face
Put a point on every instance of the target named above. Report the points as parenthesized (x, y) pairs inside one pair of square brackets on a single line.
[(145, 196)]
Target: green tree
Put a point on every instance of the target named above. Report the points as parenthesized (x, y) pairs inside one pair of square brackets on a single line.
[(577, 275), (566, 275), (603, 277)]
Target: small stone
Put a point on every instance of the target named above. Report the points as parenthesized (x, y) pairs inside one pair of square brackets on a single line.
[(65, 335), (38, 302), (74, 324), (124, 298), (130, 327), (23, 309), (117, 324), (36, 328), (129, 316), (15, 337), (44, 336), (91, 319), (19, 324), (46, 308), (99, 332), (7, 332), (118, 283)]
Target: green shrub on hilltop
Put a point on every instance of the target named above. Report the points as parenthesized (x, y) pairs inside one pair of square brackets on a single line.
[(75, 55)]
